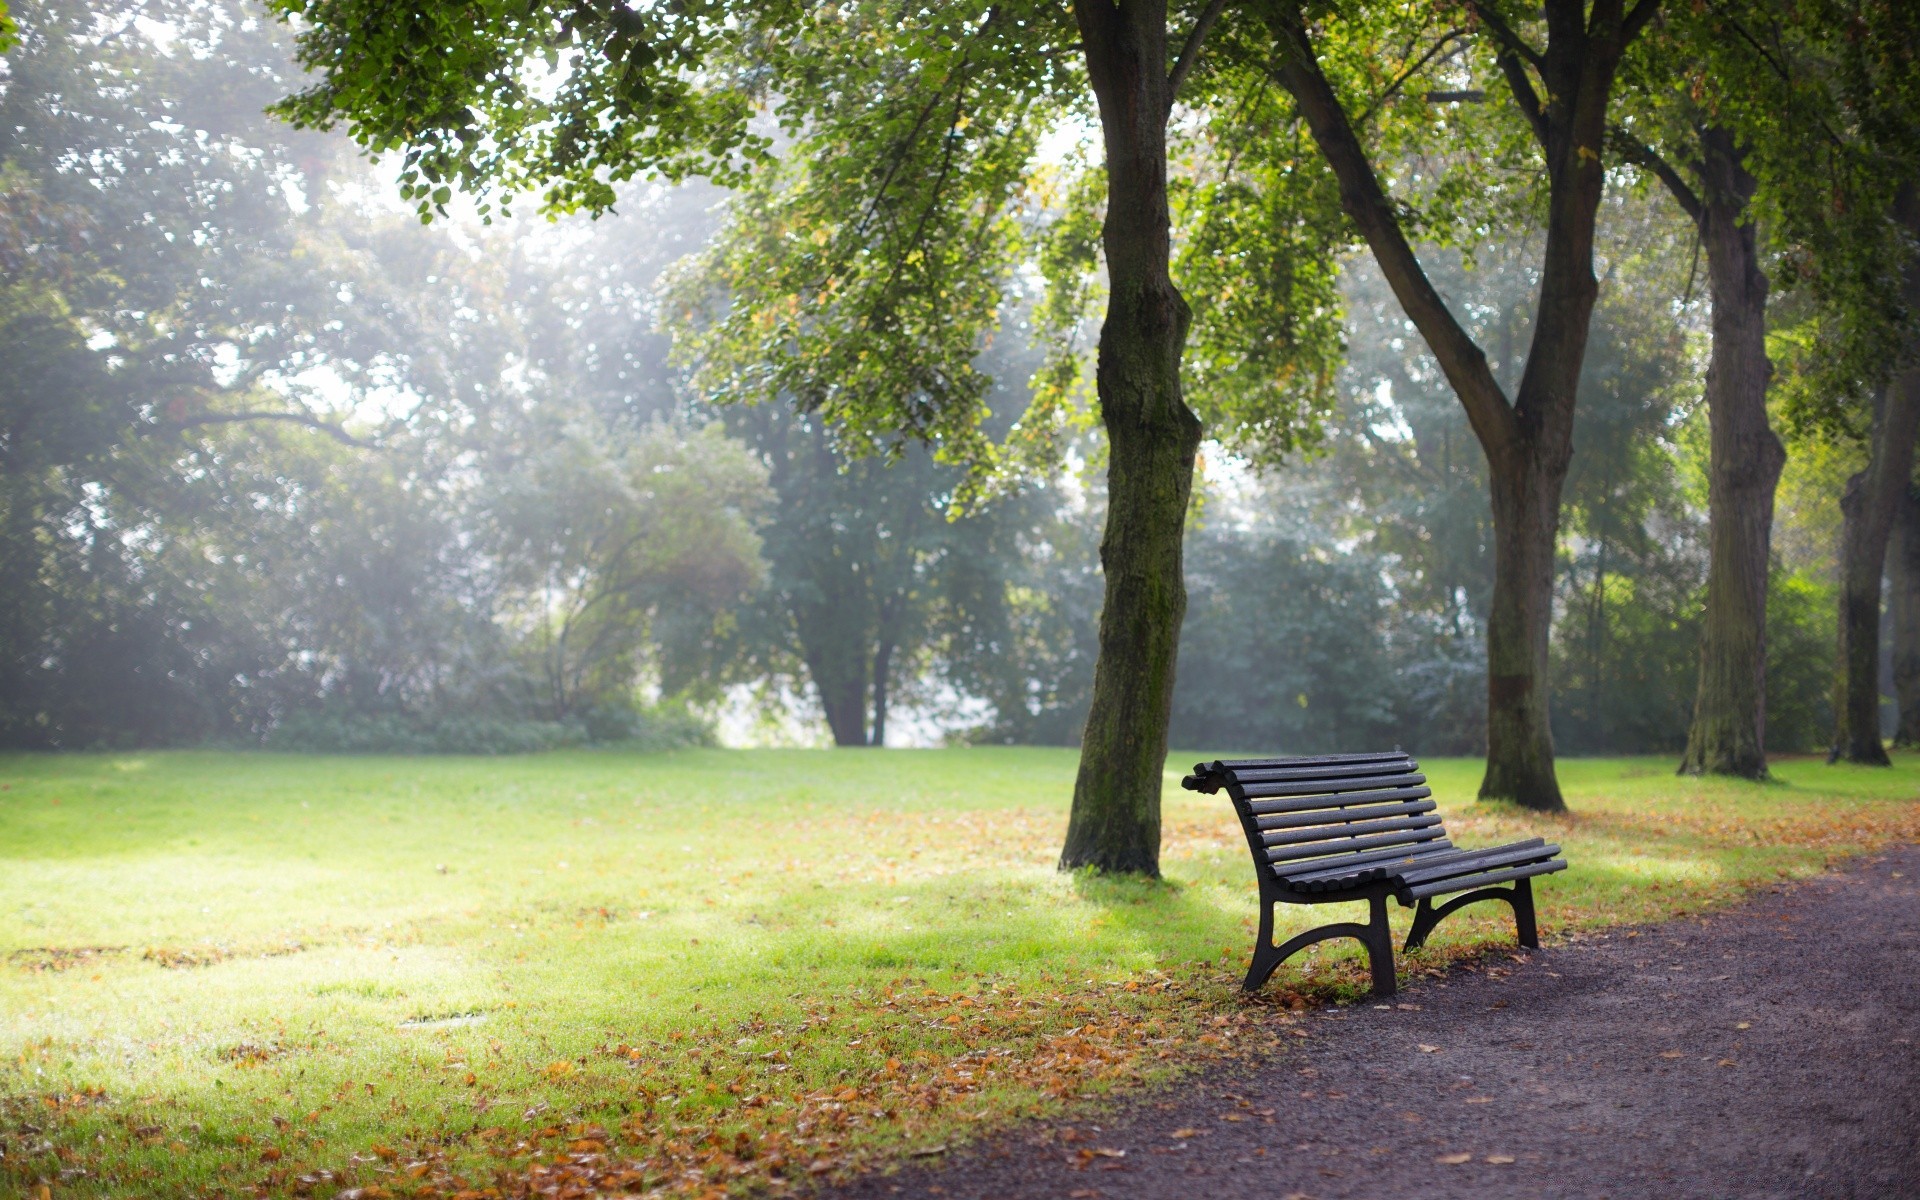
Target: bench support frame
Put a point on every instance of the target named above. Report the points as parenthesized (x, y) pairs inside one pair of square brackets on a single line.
[(1426, 914), (1375, 935)]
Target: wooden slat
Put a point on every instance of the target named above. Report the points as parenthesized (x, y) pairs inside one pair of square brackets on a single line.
[(1466, 883), (1478, 860), (1309, 872), (1399, 766), (1402, 837), (1333, 816), (1341, 800), (1338, 833), (1330, 787), (1302, 760)]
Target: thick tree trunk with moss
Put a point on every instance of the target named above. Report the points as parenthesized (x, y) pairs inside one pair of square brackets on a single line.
[(1728, 734), (1903, 613), (1152, 437), (1526, 526)]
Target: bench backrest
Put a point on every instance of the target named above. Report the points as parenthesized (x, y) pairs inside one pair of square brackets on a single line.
[(1332, 818)]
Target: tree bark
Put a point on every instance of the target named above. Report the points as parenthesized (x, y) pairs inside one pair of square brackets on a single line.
[(841, 680), (882, 664), (1868, 511), (1728, 734), (1528, 441), (1152, 437), (1903, 605)]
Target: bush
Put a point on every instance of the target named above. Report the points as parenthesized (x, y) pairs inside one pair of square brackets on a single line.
[(337, 731), (660, 728), (324, 731)]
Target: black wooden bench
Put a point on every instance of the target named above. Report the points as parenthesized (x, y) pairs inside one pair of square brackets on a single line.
[(1342, 827)]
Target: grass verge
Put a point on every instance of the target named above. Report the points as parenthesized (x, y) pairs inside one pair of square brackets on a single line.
[(698, 973)]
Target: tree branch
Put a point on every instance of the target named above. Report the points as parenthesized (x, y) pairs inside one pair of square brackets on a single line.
[(1637, 152), (1190, 50), (1513, 56), (315, 423), (1637, 19), (1505, 35), (1367, 204), (1393, 88)]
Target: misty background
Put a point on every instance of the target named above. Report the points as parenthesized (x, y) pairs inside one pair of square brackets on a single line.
[(281, 466)]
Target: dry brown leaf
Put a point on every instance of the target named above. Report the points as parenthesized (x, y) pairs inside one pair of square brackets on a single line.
[(1426, 1049), (1498, 1159), (1673, 1054), (1181, 1135), (1454, 1160)]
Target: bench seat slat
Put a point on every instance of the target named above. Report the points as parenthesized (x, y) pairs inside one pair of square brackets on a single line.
[(1334, 816), (1461, 883), (1308, 874), (1336, 834), (1401, 837), (1331, 787), (1345, 800), (1478, 860)]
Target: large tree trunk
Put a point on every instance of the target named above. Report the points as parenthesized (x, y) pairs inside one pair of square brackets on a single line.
[(1728, 735), (1526, 523), (1903, 610), (841, 680), (1868, 509), (1152, 437)]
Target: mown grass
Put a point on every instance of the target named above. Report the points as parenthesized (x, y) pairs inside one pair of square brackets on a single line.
[(697, 972)]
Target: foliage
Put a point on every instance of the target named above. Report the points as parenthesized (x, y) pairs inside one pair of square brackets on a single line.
[(214, 957), (336, 729), (606, 546)]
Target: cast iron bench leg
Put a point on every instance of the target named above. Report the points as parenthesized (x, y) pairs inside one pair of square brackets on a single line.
[(1520, 896), (1375, 935)]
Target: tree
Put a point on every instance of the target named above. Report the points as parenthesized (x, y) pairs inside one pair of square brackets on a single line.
[(1562, 93), (1851, 225), (919, 137), (606, 543)]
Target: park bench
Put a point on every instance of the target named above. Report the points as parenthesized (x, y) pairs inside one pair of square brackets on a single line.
[(1342, 827)]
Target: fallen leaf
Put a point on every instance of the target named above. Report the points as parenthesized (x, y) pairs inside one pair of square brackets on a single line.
[(930, 1151), (1726, 1062), (1454, 1160), (1426, 1049), (1181, 1135), (1479, 1100), (1673, 1054), (1744, 1025), (1498, 1159)]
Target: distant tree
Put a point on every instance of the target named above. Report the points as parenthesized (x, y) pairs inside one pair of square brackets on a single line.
[(618, 555)]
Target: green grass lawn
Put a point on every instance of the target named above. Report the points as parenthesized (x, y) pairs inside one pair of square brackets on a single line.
[(703, 971)]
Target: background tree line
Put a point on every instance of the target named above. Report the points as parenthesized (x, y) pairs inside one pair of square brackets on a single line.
[(282, 465)]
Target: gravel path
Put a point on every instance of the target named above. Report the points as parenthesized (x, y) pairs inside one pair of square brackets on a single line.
[(1767, 1052)]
